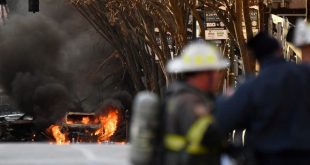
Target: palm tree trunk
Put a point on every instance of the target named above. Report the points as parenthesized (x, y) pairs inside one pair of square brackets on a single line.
[(239, 35), (249, 30), (261, 15), (247, 19)]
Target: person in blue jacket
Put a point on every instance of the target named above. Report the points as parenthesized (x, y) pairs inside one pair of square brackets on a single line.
[(274, 107)]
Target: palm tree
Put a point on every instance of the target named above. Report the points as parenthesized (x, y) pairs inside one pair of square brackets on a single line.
[(146, 33)]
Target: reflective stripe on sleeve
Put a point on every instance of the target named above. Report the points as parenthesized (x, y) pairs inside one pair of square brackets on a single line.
[(191, 143), (175, 142), (195, 134)]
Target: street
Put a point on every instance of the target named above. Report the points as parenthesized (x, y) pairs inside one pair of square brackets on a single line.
[(49, 154)]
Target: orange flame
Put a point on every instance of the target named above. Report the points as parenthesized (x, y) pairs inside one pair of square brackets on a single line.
[(69, 122), (85, 120), (108, 126), (60, 138)]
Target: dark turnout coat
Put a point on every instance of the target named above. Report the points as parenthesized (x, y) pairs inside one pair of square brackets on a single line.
[(182, 104), (274, 107)]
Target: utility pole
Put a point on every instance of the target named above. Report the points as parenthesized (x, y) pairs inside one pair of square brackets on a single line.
[(308, 10)]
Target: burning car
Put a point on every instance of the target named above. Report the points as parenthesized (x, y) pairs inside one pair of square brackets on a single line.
[(81, 127), (85, 127)]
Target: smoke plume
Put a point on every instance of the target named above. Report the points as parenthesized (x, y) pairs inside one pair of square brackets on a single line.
[(43, 55)]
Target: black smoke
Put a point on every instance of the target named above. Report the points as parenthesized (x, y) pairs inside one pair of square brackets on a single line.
[(45, 56), (30, 66)]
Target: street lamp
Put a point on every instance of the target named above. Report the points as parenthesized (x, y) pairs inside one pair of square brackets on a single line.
[(34, 6)]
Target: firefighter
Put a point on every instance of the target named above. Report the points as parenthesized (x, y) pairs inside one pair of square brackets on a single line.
[(273, 107), (189, 103), (301, 39)]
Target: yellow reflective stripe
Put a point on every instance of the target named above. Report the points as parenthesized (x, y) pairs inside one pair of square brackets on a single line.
[(196, 149), (195, 134), (192, 142), (175, 142), (211, 59), (187, 59), (200, 59)]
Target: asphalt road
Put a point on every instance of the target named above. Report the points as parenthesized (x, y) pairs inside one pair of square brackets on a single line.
[(73, 154)]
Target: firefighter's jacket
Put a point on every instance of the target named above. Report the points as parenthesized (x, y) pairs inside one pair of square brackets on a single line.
[(187, 119)]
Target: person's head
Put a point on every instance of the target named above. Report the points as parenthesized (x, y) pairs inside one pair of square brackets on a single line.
[(200, 63), (264, 46), (301, 38)]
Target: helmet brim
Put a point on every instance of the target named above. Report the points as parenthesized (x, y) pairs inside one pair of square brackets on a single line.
[(179, 66)]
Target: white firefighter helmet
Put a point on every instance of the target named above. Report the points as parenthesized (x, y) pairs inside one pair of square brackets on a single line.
[(301, 33), (197, 56)]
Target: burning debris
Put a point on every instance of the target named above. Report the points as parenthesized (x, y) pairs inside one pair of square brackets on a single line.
[(86, 127), (108, 127)]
